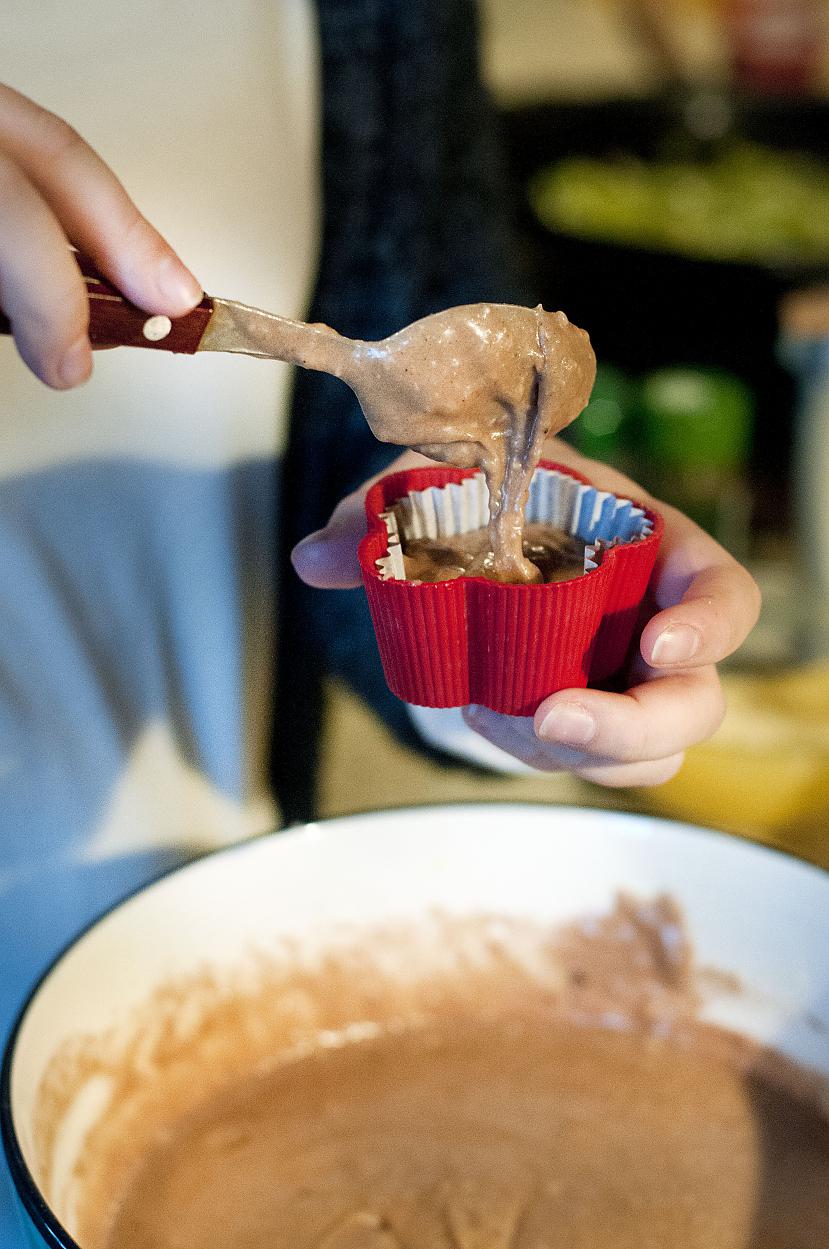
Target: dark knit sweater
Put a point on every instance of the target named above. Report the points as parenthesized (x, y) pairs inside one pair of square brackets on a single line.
[(413, 221)]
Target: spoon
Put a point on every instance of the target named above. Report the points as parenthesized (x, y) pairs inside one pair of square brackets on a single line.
[(478, 385)]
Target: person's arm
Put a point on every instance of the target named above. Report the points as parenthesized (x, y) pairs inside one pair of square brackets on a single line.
[(705, 604), (56, 191)]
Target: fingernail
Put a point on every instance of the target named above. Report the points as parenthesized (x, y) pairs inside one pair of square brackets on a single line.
[(568, 723), (177, 283), (76, 364), (676, 645)]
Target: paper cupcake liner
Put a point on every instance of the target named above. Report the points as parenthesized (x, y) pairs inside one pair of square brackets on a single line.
[(471, 640)]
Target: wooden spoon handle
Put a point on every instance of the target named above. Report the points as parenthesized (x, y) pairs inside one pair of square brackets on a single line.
[(115, 322)]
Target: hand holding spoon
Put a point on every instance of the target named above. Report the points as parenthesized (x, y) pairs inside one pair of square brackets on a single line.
[(478, 385)]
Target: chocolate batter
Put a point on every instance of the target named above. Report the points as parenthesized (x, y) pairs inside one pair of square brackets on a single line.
[(557, 555), (459, 1084), (481, 385), (507, 1133), (484, 386)]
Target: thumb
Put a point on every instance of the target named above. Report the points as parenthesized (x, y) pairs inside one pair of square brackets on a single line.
[(327, 559)]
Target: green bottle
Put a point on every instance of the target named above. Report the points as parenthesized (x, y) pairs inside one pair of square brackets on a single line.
[(696, 426), (604, 431)]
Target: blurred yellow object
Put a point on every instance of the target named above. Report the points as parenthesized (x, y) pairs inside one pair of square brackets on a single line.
[(765, 774)]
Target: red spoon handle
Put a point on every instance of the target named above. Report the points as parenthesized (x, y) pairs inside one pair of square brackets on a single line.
[(115, 322)]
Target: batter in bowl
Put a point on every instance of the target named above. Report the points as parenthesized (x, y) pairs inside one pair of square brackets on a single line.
[(526, 1089), (504, 1134)]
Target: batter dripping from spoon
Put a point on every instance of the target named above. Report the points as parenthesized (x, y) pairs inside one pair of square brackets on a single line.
[(481, 385)]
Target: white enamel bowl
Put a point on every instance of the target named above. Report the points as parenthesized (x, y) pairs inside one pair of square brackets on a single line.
[(751, 912)]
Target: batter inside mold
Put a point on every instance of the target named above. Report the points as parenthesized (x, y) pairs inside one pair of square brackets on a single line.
[(557, 555)]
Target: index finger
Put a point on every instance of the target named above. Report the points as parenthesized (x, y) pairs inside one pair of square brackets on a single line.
[(40, 285), (93, 208), (709, 602)]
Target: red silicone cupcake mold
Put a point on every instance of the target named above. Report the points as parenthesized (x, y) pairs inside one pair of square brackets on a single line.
[(450, 643)]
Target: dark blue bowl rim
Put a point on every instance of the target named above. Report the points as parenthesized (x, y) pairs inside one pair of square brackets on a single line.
[(42, 1216)]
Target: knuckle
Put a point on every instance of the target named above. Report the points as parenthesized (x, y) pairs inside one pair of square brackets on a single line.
[(343, 513), (538, 760), (666, 769), (658, 771), (755, 597), (136, 230), (632, 736), (610, 777), (633, 776), (718, 708), (61, 141), (42, 362), (46, 327), (632, 739), (11, 183), (138, 237), (63, 145), (61, 312)]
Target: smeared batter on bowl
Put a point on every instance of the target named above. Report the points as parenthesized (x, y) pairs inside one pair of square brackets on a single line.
[(547, 1092), (512, 1133), (533, 1091)]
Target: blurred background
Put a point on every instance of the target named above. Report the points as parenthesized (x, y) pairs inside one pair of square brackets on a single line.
[(670, 185)]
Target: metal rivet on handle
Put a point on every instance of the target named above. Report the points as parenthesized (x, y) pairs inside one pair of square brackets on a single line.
[(157, 328)]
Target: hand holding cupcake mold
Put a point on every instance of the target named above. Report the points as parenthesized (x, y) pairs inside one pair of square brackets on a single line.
[(462, 612), (448, 641), (704, 605), (494, 382)]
